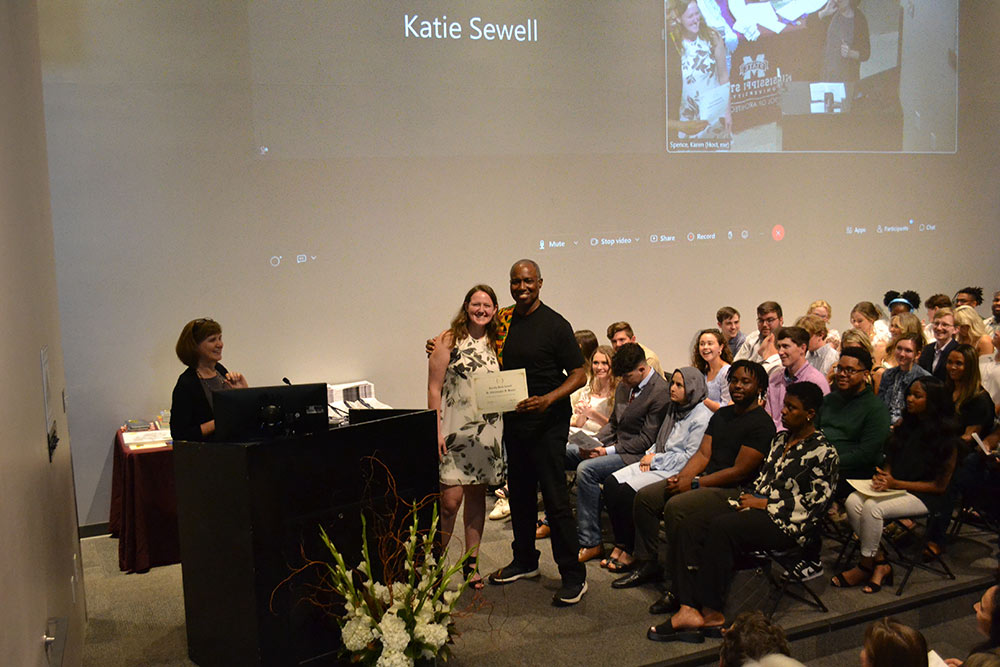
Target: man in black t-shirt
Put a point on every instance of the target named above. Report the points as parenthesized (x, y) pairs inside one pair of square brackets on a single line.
[(736, 441), (542, 343)]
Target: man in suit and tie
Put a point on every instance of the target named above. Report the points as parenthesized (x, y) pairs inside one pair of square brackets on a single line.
[(641, 401), (933, 357)]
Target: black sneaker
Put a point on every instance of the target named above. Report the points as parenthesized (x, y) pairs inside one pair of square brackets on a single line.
[(511, 573), (569, 594), (805, 570)]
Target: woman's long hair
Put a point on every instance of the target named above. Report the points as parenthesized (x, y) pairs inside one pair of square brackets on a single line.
[(935, 428), (612, 380), (460, 325), (725, 353), (970, 383)]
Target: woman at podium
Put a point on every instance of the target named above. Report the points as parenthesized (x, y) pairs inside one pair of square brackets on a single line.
[(199, 347), (469, 443)]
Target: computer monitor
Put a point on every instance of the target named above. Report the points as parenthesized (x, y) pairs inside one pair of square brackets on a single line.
[(264, 413)]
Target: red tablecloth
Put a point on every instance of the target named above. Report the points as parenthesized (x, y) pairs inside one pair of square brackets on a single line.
[(143, 506)]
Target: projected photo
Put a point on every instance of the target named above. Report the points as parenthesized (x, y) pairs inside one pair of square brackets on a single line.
[(811, 75)]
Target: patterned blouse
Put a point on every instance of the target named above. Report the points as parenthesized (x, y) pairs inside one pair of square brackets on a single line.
[(797, 485), (504, 316)]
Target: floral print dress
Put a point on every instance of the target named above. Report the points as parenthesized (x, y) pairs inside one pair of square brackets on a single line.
[(475, 453), (698, 72)]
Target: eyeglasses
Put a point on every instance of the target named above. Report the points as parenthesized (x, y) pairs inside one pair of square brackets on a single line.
[(767, 320), (198, 323), (849, 372)]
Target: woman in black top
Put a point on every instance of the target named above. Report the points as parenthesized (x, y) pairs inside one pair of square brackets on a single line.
[(920, 459), (972, 404), (199, 347)]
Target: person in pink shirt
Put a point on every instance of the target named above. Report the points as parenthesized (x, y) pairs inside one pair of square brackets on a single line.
[(792, 344)]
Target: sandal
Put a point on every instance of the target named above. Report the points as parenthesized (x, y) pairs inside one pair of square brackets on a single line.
[(840, 581), (471, 573), (872, 587), (618, 567), (931, 552)]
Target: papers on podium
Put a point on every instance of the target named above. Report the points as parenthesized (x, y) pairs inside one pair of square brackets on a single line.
[(864, 487), (146, 439), (500, 391)]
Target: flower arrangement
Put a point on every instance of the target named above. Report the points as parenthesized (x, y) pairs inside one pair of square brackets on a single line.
[(399, 622)]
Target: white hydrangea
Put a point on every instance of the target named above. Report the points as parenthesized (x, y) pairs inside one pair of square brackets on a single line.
[(425, 615), (432, 634), (394, 634), (400, 589), (390, 658), (357, 633), (381, 592)]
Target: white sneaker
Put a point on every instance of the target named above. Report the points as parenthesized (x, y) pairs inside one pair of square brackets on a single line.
[(501, 510)]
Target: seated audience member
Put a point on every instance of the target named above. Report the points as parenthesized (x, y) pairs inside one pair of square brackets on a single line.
[(986, 659), (905, 302), (620, 333), (989, 369), (932, 304), (853, 419), (973, 405), (640, 403), (782, 508), (934, 356), (735, 442), (760, 346), (889, 643), (977, 479), (866, 316), (595, 401), (920, 459), (823, 311), (853, 338), (895, 380), (988, 624), (992, 323), (820, 353), (971, 330), (792, 344), (751, 637), (728, 319), (969, 296), (587, 340), (711, 356), (679, 436), (899, 325)]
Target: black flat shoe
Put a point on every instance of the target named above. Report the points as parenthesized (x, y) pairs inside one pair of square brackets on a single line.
[(644, 574), (664, 632), (617, 567), (713, 631), (668, 604)]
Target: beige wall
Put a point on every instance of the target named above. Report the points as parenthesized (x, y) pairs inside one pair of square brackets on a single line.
[(39, 559)]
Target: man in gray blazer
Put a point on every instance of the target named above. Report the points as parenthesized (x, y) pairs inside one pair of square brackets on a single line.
[(641, 401)]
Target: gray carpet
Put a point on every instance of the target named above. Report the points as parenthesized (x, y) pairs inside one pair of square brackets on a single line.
[(138, 619)]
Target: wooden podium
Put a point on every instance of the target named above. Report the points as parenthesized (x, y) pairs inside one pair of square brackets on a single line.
[(248, 511)]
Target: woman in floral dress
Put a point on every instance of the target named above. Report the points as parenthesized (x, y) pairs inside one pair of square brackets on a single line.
[(702, 54), (469, 443)]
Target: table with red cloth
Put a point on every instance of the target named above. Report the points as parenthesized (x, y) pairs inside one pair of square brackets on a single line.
[(143, 506)]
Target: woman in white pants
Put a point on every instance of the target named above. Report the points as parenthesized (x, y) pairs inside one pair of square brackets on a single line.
[(920, 459)]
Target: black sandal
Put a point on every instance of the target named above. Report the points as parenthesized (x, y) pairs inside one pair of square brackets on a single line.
[(618, 567), (871, 587), (471, 573), (840, 581)]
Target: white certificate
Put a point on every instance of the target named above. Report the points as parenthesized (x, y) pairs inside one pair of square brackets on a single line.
[(499, 392), (714, 102)]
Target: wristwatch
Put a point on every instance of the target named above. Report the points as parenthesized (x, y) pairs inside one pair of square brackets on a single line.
[(696, 482)]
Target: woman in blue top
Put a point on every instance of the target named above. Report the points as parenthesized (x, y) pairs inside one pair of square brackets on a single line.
[(679, 436)]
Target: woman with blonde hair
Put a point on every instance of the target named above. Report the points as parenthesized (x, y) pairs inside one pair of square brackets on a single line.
[(696, 63), (972, 331), (822, 309), (899, 325), (596, 400), (866, 316), (469, 443)]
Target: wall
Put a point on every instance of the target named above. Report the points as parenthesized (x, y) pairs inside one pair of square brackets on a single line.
[(165, 210), (39, 562)]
